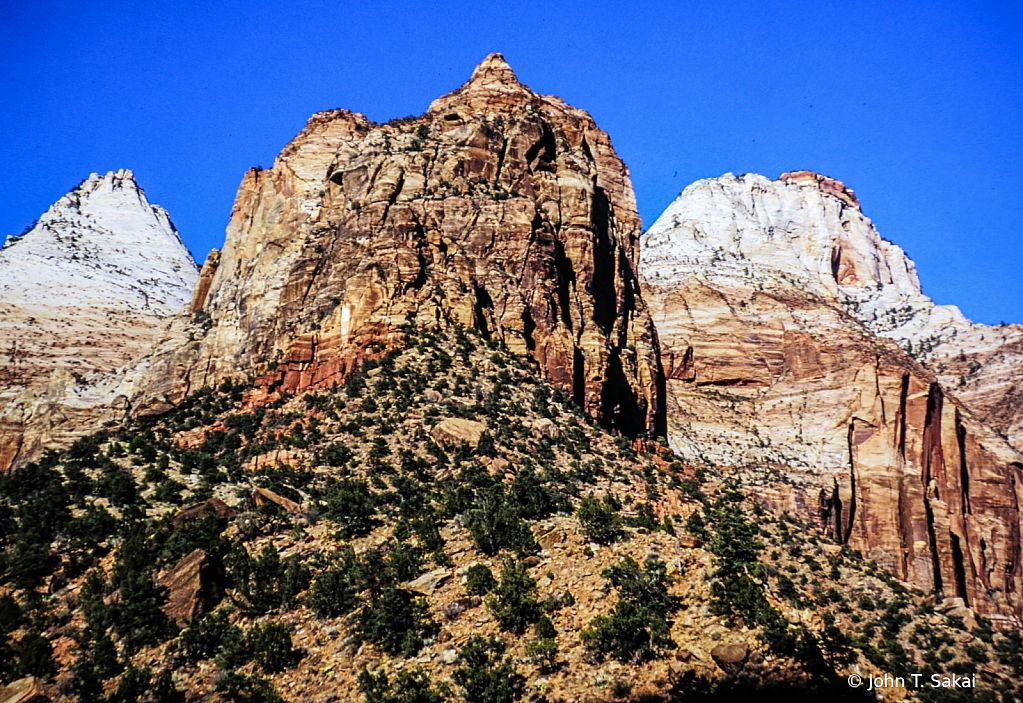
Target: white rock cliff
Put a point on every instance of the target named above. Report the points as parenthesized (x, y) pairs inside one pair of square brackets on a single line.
[(87, 289)]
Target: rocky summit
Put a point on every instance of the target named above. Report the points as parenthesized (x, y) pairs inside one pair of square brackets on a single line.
[(766, 295), (498, 209), (427, 429), (86, 289)]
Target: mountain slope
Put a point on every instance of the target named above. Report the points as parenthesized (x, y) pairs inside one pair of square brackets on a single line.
[(358, 530), (87, 289), (749, 280)]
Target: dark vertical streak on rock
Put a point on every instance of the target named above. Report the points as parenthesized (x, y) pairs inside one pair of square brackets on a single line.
[(903, 395), (852, 486), (578, 378), (959, 570), (964, 469), (602, 287)]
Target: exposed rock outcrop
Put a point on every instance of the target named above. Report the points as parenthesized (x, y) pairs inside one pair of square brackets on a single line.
[(26, 690), (195, 584), (197, 511), (498, 209), (87, 289), (262, 496), (749, 282), (455, 432)]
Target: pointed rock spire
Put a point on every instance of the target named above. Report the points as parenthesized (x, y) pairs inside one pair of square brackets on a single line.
[(495, 73), (492, 84), (87, 288)]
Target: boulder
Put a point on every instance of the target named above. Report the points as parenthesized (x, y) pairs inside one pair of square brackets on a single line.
[(545, 427), (552, 537), (195, 584), (26, 690), (262, 496), (428, 582), (458, 432), (730, 657), (197, 510)]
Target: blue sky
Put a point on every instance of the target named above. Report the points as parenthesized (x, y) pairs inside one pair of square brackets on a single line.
[(917, 106)]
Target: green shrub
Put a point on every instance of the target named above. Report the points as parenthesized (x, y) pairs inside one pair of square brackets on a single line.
[(210, 635), (627, 633), (396, 621), (600, 520), (266, 582), (545, 628), (544, 653), (407, 687), (351, 504), (137, 615), (485, 675), (479, 580), (242, 688), (514, 602), (334, 592), (497, 524), (271, 647), (35, 656)]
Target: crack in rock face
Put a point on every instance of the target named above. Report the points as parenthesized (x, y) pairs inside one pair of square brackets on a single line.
[(86, 290), (770, 300)]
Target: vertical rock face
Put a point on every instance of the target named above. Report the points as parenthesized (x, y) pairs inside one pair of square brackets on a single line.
[(87, 289), (498, 209), (769, 298)]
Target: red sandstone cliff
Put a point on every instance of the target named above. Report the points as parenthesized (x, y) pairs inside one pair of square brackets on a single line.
[(498, 209), (770, 376)]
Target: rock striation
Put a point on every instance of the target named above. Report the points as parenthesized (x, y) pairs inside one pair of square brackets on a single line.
[(86, 290), (497, 209), (771, 368)]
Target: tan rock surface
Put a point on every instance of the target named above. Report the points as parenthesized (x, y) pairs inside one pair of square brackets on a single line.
[(498, 208), (455, 431), (26, 690), (262, 496), (87, 290), (195, 512), (195, 584), (767, 370)]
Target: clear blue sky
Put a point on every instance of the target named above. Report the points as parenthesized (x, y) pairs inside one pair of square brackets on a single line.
[(917, 106)]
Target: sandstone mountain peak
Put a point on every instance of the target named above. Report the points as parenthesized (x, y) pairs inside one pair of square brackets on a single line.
[(497, 209), (801, 232), (768, 297), (493, 84), (494, 72), (87, 288)]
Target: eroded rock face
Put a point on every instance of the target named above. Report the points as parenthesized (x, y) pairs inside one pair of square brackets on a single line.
[(498, 209), (748, 281), (87, 290), (195, 584)]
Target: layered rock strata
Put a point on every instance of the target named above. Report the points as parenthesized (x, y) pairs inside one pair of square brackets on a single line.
[(769, 372), (86, 290), (498, 209)]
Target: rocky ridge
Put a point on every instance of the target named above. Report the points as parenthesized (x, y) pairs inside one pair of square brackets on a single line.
[(86, 290), (385, 519), (750, 283), (498, 208)]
